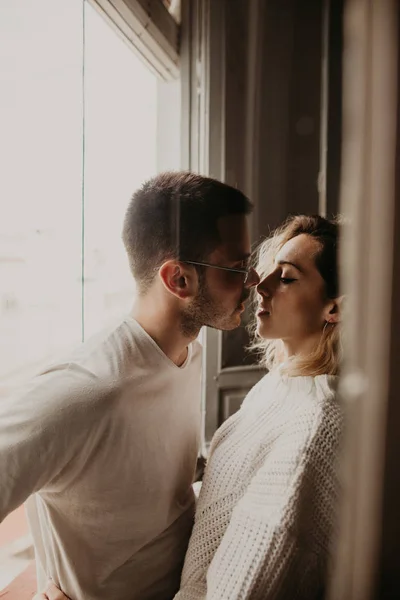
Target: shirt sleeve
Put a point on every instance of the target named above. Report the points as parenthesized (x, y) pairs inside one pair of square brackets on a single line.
[(276, 544), (42, 429)]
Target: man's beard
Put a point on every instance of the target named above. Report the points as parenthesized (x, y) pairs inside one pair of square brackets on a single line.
[(204, 311)]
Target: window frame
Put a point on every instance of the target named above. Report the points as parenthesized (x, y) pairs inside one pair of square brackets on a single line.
[(151, 31)]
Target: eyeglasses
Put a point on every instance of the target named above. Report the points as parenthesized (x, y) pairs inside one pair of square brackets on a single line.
[(246, 272)]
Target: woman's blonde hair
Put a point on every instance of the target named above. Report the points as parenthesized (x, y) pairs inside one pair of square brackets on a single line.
[(325, 359)]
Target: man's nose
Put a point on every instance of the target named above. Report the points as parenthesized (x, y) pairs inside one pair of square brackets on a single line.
[(263, 287), (253, 278)]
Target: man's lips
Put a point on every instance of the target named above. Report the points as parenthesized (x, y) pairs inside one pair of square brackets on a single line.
[(241, 305)]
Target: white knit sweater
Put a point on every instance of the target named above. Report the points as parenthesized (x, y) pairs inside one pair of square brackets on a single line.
[(266, 509)]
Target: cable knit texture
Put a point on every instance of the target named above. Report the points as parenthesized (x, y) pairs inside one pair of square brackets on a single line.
[(266, 510)]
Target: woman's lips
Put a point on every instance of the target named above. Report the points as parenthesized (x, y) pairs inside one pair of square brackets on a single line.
[(263, 312)]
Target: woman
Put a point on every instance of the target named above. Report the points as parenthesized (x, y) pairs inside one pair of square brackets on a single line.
[(266, 510)]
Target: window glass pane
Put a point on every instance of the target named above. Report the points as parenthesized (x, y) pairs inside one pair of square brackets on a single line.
[(40, 199), (120, 152), (40, 184)]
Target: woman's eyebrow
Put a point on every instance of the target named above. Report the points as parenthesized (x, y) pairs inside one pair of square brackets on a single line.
[(292, 264)]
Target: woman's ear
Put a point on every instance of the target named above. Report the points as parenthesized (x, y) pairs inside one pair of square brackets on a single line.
[(179, 279), (333, 311)]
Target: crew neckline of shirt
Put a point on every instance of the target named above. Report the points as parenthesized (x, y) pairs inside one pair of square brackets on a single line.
[(131, 320)]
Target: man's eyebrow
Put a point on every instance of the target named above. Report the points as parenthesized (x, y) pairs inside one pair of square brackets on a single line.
[(243, 257), (288, 262)]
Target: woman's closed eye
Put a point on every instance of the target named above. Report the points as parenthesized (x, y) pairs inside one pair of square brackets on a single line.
[(287, 280)]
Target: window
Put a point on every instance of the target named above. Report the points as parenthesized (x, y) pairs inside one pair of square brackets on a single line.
[(40, 186), (84, 121), (120, 152)]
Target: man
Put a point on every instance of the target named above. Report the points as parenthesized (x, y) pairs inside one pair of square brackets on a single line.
[(105, 443)]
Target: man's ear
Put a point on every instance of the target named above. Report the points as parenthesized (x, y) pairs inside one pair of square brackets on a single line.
[(333, 311), (179, 279)]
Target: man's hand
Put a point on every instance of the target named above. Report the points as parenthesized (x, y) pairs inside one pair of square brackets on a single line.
[(51, 592)]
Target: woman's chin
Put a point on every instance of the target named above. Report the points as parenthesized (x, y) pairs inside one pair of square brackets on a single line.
[(261, 329), (264, 331)]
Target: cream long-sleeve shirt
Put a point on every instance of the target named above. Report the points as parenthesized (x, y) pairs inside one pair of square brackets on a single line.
[(266, 509), (106, 443)]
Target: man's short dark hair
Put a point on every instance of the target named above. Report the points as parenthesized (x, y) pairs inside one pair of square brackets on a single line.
[(174, 215)]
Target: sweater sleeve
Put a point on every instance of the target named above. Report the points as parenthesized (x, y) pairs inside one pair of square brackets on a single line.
[(42, 429), (276, 543)]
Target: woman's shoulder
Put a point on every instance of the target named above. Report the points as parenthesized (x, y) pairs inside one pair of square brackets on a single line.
[(309, 429), (309, 407), (320, 400)]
